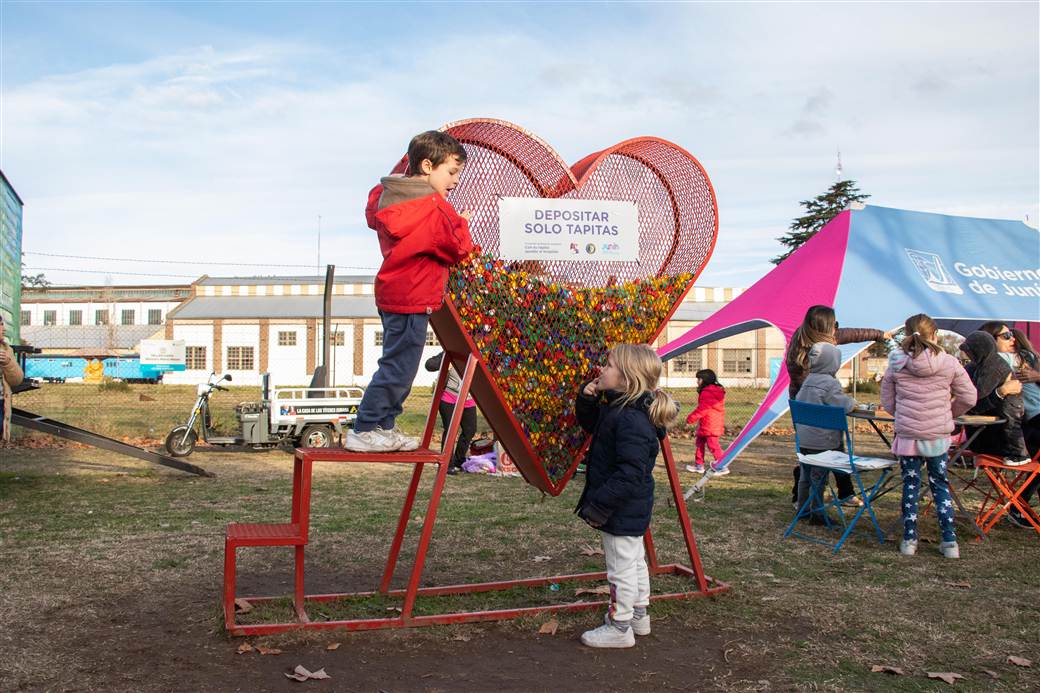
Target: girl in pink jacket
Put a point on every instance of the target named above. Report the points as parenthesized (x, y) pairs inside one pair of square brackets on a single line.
[(925, 389)]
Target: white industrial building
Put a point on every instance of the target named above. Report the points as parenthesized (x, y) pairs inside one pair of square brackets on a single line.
[(247, 326)]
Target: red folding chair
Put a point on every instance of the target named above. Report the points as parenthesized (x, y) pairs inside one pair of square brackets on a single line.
[(1008, 483)]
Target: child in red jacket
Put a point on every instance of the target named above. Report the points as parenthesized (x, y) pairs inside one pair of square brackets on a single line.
[(421, 236), (711, 412)]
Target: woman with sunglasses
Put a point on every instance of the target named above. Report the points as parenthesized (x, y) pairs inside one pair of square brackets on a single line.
[(1015, 348), (999, 394), (10, 376)]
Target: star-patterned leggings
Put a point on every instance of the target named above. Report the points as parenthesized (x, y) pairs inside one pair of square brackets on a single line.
[(936, 466)]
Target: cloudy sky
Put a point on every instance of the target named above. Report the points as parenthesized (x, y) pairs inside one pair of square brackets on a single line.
[(219, 132)]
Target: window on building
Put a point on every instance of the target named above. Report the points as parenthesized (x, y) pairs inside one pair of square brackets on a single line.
[(688, 363), (240, 358), (339, 339), (431, 338), (50, 317), (100, 317), (26, 317), (287, 338), (75, 317), (736, 361), (195, 358), (127, 317), (155, 316)]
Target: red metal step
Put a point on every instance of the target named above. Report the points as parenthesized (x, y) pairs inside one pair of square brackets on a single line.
[(256, 534)]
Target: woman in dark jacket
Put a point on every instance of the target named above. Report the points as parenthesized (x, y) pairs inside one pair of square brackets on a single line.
[(999, 395)]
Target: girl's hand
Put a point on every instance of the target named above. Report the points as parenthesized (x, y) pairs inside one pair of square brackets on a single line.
[(4, 358), (887, 335), (591, 388), (466, 214)]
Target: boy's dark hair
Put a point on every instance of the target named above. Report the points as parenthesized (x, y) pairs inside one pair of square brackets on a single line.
[(434, 145), (707, 377)]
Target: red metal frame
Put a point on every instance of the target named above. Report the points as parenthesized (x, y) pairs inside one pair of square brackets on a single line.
[(1006, 493), (296, 534)]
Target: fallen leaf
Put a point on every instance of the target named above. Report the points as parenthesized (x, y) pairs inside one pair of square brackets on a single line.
[(245, 647), (549, 627), (947, 676), (770, 599), (417, 518), (885, 669), (268, 650), (242, 606), (539, 559), (962, 585), (992, 674), (601, 589), (145, 398), (300, 673), (1019, 661), (461, 638), (332, 646), (395, 608), (591, 551)]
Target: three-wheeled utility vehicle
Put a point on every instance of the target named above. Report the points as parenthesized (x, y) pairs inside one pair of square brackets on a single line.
[(311, 417)]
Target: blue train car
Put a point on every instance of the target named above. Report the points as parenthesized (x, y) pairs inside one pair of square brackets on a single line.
[(57, 369)]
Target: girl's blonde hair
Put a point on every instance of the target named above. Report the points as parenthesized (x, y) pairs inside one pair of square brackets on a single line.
[(921, 332), (641, 368)]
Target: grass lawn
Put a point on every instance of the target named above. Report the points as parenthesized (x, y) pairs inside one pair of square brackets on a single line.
[(112, 568)]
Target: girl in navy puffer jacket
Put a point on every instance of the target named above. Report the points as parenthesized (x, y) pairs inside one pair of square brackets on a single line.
[(627, 416)]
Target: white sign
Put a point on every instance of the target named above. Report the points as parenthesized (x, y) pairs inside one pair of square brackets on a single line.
[(535, 228), (162, 352)]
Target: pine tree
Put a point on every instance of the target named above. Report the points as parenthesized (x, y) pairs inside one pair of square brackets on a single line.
[(819, 210)]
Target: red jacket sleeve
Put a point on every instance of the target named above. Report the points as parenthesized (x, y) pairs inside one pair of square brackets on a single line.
[(451, 240)]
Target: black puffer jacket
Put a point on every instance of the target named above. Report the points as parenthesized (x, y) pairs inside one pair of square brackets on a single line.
[(619, 482)]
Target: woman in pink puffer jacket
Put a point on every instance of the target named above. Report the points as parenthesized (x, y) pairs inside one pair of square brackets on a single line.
[(925, 389)]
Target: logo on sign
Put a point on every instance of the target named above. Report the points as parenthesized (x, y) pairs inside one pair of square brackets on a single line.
[(932, 270)]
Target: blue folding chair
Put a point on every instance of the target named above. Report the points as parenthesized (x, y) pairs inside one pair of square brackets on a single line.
[(833, 418)]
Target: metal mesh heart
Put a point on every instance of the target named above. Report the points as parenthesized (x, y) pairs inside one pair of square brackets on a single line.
[(541, 329)]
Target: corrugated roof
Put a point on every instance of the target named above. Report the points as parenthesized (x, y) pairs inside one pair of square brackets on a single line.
[(696, 310), (88, 336), (238, 307), (232, 307), (270, 281)]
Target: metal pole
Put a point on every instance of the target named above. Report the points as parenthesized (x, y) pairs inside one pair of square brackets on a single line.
[(326, 321)]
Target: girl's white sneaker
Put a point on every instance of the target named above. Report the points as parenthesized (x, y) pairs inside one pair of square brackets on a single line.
[(908, 547), (950, 549), (608, 636)]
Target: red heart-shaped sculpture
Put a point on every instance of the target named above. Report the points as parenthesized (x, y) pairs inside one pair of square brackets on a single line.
[(541, 329)]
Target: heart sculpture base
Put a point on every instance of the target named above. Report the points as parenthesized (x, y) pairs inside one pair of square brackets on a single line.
[(296, 534)]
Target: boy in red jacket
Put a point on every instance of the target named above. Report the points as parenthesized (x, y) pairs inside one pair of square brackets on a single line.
[(421, 236), (711, 412)]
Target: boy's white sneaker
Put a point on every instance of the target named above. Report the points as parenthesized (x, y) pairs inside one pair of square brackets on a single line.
[(950, 549), (1016, 461), (720, 472), (369, 441), (908, 547), (399, 439), (640, 626), (609, 636)]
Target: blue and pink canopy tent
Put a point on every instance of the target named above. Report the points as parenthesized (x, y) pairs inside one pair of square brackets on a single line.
[(877, 266)]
